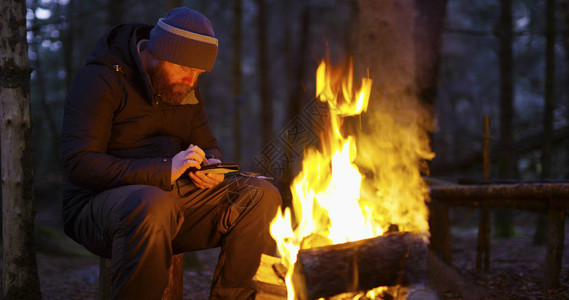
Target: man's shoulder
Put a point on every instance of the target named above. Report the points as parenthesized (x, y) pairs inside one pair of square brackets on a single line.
[(100, 72), (95, 81)]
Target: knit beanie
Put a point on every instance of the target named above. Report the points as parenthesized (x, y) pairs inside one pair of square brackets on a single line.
[(184, 37)]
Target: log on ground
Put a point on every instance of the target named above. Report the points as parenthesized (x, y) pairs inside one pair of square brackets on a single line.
[(267, 282), (393, 259)]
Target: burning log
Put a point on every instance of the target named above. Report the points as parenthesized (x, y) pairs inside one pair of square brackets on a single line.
[(393, 259)]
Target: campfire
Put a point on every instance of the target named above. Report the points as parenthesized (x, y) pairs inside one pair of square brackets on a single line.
[(359, 222)]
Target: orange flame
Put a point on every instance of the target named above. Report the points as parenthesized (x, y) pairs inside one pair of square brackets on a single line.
[(333, 202)]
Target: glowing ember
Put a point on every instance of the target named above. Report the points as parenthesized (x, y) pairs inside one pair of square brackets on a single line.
[(333, 202)]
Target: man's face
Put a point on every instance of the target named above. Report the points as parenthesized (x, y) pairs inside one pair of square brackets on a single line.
[(173, 82)]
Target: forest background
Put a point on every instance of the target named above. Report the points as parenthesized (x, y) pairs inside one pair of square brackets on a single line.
[(510, 65)]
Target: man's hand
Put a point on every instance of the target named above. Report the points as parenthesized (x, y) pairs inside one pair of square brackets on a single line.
[(207, 180), (191, 157)]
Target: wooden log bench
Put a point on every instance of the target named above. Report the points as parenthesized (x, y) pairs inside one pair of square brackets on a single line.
[(549, 198), (174, 290)]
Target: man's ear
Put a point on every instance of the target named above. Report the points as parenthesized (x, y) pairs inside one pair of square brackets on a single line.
[(154, 61), (148, 60)]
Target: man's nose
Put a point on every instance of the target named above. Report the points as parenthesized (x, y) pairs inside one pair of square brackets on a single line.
[(191, 78)]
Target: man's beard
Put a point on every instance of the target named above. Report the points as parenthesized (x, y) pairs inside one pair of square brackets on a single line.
[(171, 93)]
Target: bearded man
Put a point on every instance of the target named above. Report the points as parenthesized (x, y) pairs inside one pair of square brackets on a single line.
[(134, 122)]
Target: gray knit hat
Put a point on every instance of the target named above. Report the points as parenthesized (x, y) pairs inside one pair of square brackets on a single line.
[(184, 37)]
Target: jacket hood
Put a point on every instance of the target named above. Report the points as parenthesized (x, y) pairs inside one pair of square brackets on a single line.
[(119, 48)]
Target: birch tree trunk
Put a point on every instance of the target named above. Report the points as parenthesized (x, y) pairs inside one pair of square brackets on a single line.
[(19, 272)]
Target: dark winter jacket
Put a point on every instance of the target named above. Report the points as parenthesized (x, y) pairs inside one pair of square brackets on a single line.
[(115, 132)]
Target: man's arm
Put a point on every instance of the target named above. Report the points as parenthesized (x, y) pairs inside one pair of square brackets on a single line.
[(91, 103)]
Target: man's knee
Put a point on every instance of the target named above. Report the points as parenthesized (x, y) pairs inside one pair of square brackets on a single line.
[(251, 198), (150, 206), (269, 197)]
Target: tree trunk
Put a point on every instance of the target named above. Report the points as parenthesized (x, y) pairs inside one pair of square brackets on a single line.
[(540, 235), (68, 45), (565, 22), (264, 78), (506, 161), (385, 46), (428, 40), (297, 62), (19, 272), (237, 78), (549, 95), (53, 149), (398, 44)]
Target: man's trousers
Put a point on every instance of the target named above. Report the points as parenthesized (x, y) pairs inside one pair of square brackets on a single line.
[(140, 227)]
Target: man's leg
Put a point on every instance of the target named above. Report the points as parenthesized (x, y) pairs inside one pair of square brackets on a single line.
[(134, 225), (236, 216)]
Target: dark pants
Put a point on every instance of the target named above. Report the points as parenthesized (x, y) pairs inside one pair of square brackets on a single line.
[(140, 227)]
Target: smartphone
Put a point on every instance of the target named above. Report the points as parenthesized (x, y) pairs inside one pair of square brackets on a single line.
[(219, 168)]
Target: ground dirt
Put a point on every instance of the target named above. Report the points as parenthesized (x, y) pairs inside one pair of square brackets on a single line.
[(515, 269), (516, 264)]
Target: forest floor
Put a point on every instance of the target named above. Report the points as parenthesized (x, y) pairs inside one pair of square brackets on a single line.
[(515, 269), (516, 265)]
